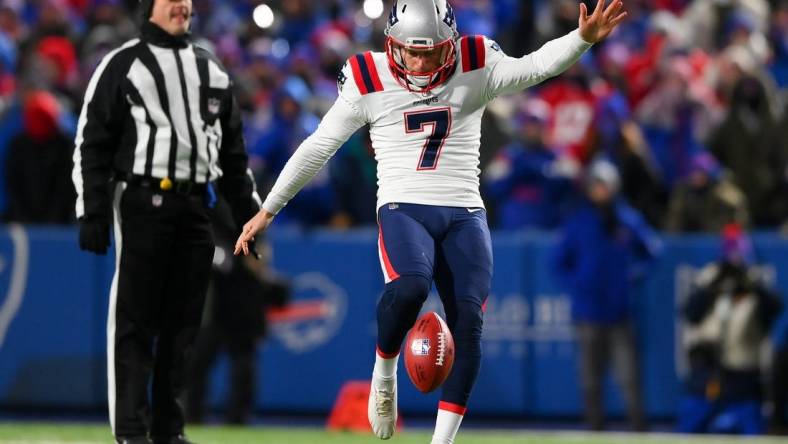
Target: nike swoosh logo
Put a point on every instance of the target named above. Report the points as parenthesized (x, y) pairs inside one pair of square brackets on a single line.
[(474, 210)]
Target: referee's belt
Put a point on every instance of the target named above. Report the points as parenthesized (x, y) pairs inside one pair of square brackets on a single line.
[(166, 185)]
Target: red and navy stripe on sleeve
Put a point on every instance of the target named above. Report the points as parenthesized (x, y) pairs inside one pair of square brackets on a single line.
[(473, 52), (365, 73)]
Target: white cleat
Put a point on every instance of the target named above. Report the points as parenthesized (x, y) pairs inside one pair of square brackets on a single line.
[(382, 408)]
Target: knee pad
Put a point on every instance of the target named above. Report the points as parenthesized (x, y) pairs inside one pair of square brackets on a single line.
[(406, 291)]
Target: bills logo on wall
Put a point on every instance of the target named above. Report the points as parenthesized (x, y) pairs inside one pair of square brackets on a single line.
[(313, 317), (14, 261)]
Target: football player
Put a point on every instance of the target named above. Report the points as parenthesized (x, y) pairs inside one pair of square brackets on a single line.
[(423, 99)]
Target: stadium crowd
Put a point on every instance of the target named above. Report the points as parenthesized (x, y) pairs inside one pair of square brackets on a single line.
[(688, 100)]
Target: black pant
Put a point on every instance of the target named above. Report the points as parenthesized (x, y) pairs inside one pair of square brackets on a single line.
[(780, 390), (241, 348), (164, 252), (599, 344)]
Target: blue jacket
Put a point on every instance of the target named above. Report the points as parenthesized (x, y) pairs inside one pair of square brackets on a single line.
[(597, 265), (527, 194)]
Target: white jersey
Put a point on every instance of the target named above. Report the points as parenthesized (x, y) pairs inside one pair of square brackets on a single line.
[(426, 145)]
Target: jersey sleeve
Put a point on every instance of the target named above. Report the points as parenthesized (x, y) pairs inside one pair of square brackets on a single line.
[(339, 123), (509, 74), (357, 79)]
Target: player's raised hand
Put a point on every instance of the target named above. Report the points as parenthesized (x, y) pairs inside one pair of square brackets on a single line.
[(603, 21), (256, 224)]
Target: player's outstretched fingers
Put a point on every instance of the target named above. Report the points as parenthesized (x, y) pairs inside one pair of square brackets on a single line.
[(600, 8)]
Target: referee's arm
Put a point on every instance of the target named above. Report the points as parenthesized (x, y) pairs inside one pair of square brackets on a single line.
[(237, 183), (96, 140)]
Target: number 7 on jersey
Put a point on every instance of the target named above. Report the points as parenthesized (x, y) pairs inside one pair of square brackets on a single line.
[(440, 120)]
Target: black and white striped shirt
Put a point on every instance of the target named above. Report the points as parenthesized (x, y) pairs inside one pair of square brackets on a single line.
[(161, 107)]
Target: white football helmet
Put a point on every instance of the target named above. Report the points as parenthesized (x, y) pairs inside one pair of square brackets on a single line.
[(421, 24)]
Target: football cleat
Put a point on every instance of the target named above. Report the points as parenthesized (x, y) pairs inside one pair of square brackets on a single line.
[(382, 408)]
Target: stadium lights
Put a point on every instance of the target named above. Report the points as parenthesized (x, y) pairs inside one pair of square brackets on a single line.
[(263, 16), (373, 8)]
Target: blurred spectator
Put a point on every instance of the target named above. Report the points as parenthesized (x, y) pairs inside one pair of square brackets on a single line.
[(778, 34), (571, 111), (674, 115), (676, 65), (354, 175), (729, 316), (748, 143), (528, 182), (234, 321), (616, 136), (706, 200), (38, 167), (317, 202), (605, 246)]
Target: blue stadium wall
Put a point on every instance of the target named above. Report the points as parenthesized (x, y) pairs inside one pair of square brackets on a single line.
[(53, 304)]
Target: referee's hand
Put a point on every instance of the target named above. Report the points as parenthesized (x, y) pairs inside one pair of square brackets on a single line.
[(94, 234), (256, 224)]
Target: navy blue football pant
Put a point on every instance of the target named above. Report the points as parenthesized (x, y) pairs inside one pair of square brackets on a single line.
[(450, 245)]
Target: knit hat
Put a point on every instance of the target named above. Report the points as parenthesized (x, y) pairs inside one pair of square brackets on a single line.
[(605, 172), (40, 115), (736, 245)]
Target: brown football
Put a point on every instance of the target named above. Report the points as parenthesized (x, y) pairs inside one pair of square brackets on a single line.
[(429, 352)]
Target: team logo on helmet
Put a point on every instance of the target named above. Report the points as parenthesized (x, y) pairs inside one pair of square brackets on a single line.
[(393, 15), (449, 18)]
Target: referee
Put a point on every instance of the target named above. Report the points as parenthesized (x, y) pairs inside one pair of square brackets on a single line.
[(159, 128)]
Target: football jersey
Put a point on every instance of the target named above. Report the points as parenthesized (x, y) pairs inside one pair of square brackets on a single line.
[(426, 144)]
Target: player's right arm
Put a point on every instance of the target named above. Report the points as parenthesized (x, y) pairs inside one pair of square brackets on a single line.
[(343, 119)]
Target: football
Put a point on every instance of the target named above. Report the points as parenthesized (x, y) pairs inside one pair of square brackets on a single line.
[(429, 352)]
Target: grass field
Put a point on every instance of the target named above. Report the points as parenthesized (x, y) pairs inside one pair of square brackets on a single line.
[(52, 433)]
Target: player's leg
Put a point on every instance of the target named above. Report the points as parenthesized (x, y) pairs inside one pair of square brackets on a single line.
[(406, 251), (463, 275), (779, 373), (143, 246), (625, 364), (241, 346), (182, 306), (592, 366)]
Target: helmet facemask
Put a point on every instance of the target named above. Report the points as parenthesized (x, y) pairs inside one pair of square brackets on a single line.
[(421, 81)]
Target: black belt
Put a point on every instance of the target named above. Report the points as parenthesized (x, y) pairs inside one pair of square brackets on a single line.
[(165, 185)]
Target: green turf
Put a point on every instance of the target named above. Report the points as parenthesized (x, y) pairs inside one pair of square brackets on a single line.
[(49, 433)]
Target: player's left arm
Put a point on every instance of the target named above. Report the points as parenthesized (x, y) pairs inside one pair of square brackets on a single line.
[(509, 74)]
